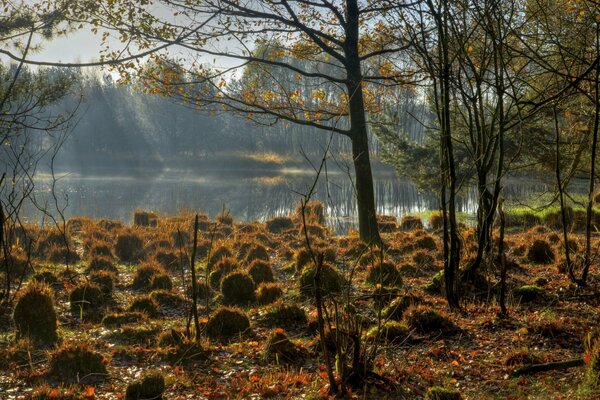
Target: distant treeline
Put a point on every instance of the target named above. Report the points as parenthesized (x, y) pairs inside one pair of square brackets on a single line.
[(120, 127)]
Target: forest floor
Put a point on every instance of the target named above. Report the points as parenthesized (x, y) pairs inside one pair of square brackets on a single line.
[(473, 352)]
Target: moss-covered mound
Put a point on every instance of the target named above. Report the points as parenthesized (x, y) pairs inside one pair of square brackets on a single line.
[(144, 304), (423, 319), (101, 263), (384, 273), (540, 252), (161, 282), (144, 274), (129, 247), (390, 331), (440, 393), (256, 252), (267, 293), (284, 315), (169, 260), (225, 266), (425, 243), (150, 386), (118, 319), (281, 349), (437, 283), (105, 280), (331, 281), (410, 222), (237, 289), (261, 271), (86, 297), (528, 293), (302, 258), (77, 363), (396, 309), (279, 224), (383, 295), (217, 254), (167, 300), (34, 314), (227, 323)]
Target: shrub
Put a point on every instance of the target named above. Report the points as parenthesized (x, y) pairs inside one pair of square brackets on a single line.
[(237, 289), (426, 243), (168, 260), (285, 315), (34, 314), (217, 255), (425, 320), (168, 300), (77, 363), (384, 273), (100, 249), (410, 222), (302, 258), (390, 331), (436, 220), (86, 297), (129, 247), (261, 271), (540, 252), (331, 281), (144, 304), (144, 274), (396, 309), (440, 393), (226, 323), (528, 293), (101, 263), (150, 386), (257, 252), (267, 293), (222, 268), (144, 218), (279, 224), (105, 280), (161, 282), (280, 348)]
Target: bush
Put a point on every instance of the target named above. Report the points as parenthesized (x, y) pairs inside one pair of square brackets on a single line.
[(77, 363), (440, 393), (384, 273), (279, 224), (540, 252), (144, 274), (256, 252), (86, 297), (101, 263), (280, 348), (105, 280), (529, 293), (410, 222), (425, 320), (268, 293), (227, 323), (34, 314), (161, 282), (331, 281), (150, 386), (169, 260), (436, 220), (144, 304), (129, 247), (426, 243), (261, 271), (285, 316), (222, 268), (237, 289), (390, 331)]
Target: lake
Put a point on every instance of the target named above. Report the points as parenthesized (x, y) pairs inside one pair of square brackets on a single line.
[(249, 196)]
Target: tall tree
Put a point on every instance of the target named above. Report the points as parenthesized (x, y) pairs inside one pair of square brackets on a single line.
[(337, 37)]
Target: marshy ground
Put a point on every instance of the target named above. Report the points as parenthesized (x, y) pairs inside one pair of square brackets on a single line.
[(122, 308)]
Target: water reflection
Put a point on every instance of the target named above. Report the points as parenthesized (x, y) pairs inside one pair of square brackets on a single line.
[(248, 197)]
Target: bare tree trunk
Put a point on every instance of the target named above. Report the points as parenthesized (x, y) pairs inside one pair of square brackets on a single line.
[(194, 310), (503, 266)]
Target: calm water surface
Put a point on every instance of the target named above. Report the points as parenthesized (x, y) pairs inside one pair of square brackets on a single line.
[(248, 196)]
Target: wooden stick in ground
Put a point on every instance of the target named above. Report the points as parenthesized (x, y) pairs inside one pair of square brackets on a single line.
[(194, 310), (551, 366)]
